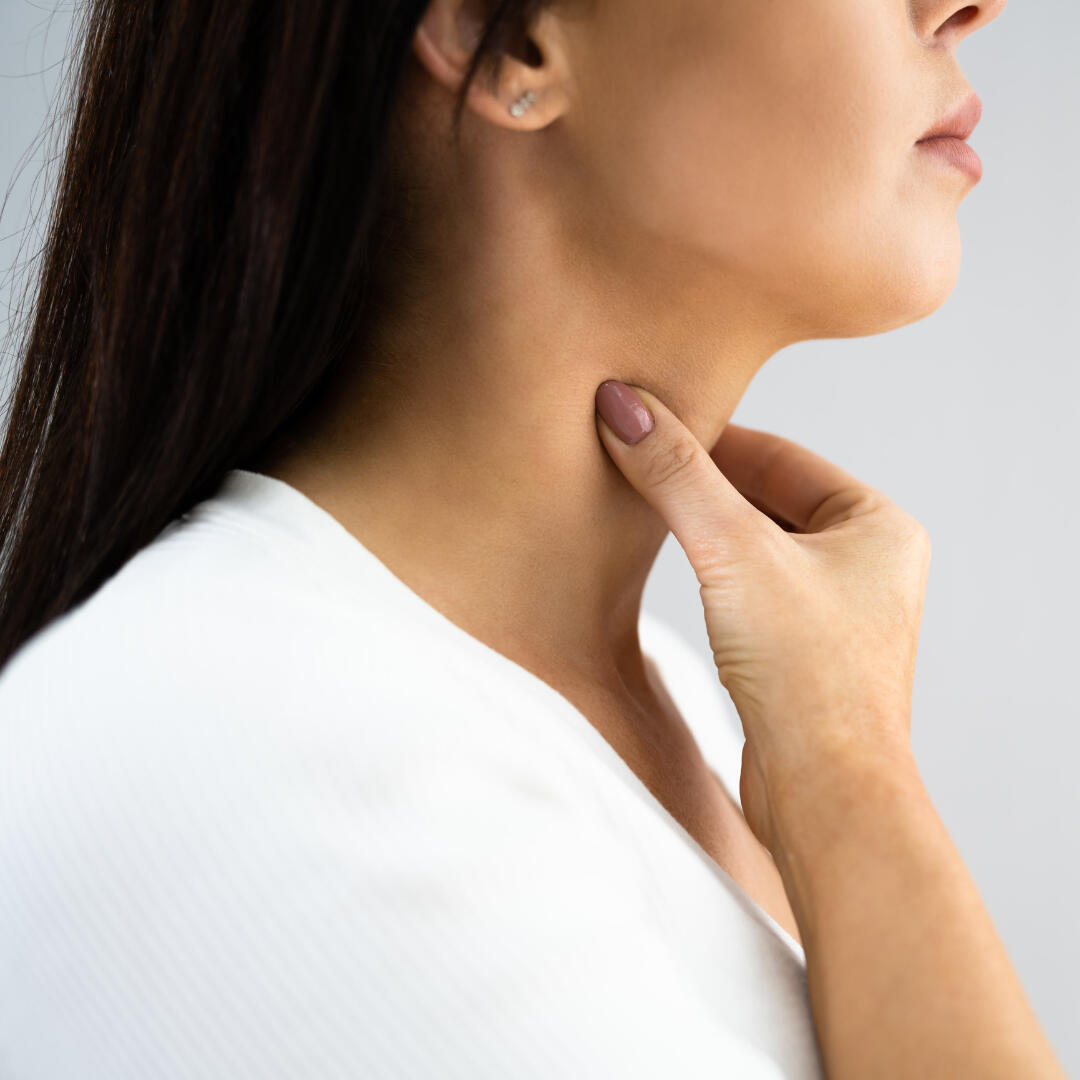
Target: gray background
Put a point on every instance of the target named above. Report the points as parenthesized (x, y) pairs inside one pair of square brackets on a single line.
[(968, 419)]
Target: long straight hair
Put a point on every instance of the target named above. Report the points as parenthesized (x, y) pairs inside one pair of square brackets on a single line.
[(208, 265)]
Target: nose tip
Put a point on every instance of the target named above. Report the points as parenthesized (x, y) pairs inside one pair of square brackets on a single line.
[(988, 11)]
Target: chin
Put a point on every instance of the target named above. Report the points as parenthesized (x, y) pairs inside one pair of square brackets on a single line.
[(931, 275), (902, 284)]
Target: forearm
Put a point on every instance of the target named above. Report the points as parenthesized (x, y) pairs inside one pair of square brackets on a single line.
[(907, 975)]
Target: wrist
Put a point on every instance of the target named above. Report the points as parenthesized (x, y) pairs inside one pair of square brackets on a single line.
[(838, 797)]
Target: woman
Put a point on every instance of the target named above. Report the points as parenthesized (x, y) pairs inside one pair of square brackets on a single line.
[(335, 742)]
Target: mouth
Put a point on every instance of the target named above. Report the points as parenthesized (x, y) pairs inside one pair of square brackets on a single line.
[(946, 141)]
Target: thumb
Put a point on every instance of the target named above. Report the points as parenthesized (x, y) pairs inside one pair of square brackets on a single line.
[(670, 468)]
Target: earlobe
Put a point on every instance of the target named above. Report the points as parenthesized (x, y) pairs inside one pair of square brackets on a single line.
[(523, 104), (516, 104)]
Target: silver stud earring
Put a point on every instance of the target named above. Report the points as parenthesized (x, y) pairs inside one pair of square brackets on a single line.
[(523, 103)]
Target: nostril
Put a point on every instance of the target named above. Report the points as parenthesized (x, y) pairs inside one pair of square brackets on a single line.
[(961, 18), (949, 33)]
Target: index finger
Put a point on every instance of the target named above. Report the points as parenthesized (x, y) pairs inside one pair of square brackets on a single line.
[(783, 477)]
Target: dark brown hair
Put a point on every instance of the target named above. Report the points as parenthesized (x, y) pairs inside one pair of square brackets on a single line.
[(208, 264)]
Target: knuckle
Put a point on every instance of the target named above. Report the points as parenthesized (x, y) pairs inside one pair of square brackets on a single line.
[(915, 533), (669, 462), (913, 540)]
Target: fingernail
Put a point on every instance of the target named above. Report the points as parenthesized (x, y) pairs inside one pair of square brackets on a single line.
[(623, 411)]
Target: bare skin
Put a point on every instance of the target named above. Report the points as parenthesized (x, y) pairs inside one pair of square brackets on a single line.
[(698, 185)]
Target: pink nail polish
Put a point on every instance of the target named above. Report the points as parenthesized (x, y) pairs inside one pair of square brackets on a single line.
[(623, 411)]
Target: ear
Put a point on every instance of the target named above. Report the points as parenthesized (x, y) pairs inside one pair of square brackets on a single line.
[(446, 38)]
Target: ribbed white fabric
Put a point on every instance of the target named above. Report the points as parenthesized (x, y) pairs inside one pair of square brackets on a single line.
[(266, 813)]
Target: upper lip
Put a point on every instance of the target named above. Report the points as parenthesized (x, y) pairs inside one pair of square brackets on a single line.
[(959, 122)]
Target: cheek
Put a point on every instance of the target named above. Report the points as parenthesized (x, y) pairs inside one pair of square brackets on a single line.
[(779, 150)]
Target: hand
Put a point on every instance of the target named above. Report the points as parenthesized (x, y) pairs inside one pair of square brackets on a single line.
[(812, 582)]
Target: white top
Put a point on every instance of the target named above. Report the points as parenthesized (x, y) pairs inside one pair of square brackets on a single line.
[(267, 813)]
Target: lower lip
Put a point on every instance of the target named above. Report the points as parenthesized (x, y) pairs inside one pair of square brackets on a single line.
[(954, 151)]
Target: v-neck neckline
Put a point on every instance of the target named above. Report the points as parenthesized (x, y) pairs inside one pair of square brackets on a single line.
[(304, 522), (610, 757)]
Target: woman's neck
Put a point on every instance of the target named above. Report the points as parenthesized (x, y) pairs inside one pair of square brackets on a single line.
[(462, 449), (483, 485)]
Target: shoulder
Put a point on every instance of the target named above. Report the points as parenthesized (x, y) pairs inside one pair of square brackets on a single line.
[(210, 692), (205, 624)]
